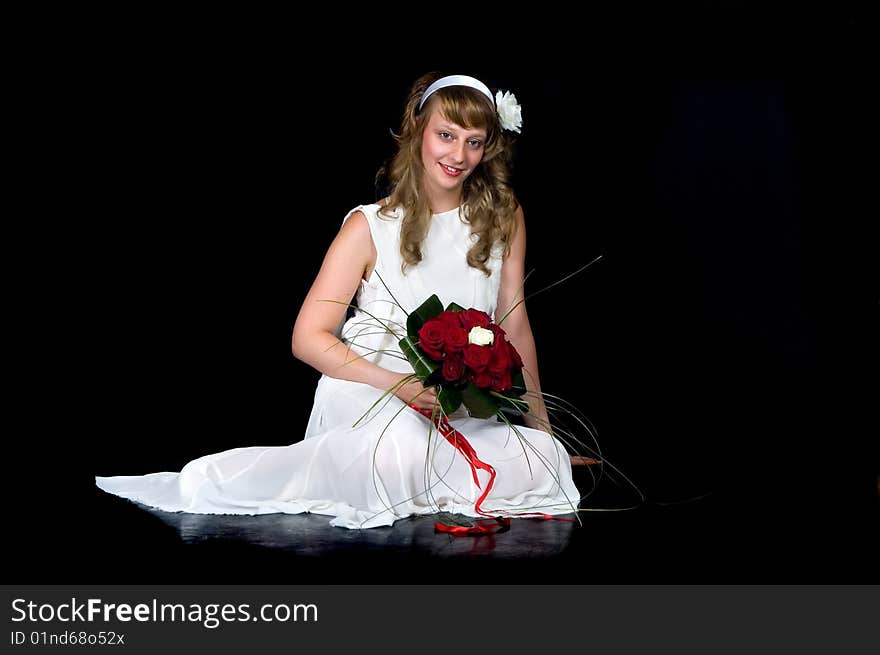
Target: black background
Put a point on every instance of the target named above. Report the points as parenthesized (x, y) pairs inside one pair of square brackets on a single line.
[(723, 345)]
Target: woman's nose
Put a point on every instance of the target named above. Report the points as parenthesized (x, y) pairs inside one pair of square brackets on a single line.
[(458, 153)]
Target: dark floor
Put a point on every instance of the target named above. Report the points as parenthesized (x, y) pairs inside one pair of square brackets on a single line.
[(709, 539)]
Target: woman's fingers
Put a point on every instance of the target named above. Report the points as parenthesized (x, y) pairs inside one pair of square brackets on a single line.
[(428, 398), (421, 397)]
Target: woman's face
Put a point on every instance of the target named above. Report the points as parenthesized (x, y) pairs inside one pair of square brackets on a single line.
[(450, 153)]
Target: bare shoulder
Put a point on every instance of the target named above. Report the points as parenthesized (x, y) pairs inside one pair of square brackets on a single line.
[(355, 242), (356, 224), (519, 222), (355, 233), (517, 238)]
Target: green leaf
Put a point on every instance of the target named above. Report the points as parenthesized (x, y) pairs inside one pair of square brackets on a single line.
[(519, 385), (510, 400), (419, 316), (479, 403), (422, 365), (453, 307), (450, 399)]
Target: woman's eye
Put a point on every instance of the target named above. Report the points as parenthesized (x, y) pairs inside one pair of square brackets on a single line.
[(445, 135), (474, 143)]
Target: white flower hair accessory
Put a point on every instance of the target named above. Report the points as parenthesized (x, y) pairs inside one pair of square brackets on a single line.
[(509, 111)]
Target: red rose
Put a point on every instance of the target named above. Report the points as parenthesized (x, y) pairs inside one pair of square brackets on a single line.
[(481, 380), (476, 357), (456, 338), (432, 336), (453, 368), (456, 335), (500, 335), (500, 360), (517, 360), (501, 382), (474, 318), (448, 317)]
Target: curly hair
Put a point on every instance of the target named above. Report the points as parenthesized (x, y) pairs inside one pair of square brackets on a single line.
[(488, 201)]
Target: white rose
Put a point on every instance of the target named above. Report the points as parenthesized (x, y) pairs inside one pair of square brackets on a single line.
[(481, 336), (509, 112)]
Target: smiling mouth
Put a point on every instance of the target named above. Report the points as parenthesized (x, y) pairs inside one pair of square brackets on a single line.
[(449, 170)]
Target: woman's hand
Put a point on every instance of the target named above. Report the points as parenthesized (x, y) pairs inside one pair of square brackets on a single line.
[(409, 391)]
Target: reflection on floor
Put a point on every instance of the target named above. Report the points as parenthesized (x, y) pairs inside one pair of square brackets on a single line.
[(312, 535), (179, 547)]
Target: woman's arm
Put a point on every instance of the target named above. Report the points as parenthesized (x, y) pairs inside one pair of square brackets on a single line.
[(314, 340), (517, 326)]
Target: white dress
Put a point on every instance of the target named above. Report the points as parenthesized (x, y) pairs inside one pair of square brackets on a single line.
[(391, 465)]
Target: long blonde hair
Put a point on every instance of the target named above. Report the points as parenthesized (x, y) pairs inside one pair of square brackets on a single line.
[(488, 202)]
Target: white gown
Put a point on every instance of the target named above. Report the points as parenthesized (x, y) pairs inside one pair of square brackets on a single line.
[(390, 466)]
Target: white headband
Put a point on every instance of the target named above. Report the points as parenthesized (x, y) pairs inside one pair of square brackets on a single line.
[(457, 80)]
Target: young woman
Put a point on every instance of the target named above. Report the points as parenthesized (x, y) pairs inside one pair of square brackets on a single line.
[(451, 226)]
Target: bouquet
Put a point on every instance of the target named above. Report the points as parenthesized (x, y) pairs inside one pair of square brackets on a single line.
[(467, 356)]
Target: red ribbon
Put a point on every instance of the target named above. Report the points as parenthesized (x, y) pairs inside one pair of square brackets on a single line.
[(464, 447), (498, 524)]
